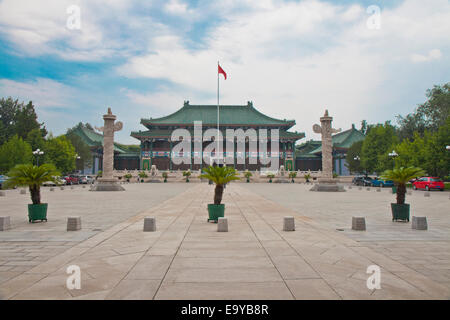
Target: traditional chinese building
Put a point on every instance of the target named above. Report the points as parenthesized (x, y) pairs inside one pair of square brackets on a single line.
[(308, 155), (123, 158), (156, 144)]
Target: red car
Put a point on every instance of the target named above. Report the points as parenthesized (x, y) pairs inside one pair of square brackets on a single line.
[(71, 179), (428, 183)]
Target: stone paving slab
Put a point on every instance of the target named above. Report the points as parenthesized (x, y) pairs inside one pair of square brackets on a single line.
[(186, 258)]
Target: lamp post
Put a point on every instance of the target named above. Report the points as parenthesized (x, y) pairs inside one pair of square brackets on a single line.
[(393, 155), (77, 157), (447, 147), (38, 153)]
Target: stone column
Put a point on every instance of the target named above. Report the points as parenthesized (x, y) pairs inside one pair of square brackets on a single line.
[(107, 181), (326, 181)]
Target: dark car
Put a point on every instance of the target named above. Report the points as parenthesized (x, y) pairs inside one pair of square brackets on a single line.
[(358, 180), (367, 181)]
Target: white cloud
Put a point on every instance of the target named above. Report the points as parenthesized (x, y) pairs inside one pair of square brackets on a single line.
[(45, 93), (176, 7), (434, 54)]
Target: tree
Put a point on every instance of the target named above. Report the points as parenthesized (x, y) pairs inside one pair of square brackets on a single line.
[(353, 152), (14, 151), (411, 152), (220, 176), (17, 118), (81, 148), (437, 158), (401, 176), (378, 143), (35, 139), (436, 109), (412, 124), (61, 153)]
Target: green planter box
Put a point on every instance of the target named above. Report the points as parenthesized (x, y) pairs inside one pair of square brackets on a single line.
[(216, 211), (400, 211), (394, 189), (37, 212)]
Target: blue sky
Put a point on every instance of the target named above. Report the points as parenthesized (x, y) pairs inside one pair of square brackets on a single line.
[(292, 58)]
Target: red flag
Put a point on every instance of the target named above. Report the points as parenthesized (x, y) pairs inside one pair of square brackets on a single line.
[(222, 72)]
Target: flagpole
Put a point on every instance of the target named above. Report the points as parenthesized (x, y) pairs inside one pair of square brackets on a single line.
[(218, 117)]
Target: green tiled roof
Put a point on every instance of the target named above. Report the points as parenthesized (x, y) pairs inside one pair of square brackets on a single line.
[(92, 138), (304, 150), (344, 140), (229, 115)]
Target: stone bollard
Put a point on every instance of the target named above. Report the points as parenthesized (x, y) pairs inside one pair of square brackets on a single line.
[(368, 189), (409, 192), (72, 187), (83, 186), (222, 225), (149, 224), (52, 189), (73, 223), (23, 191), (349, 187), (359, 223), (419, 223), (5, 223), (378, 190), (426, 194), (62, 188), (288, 224), (2, 194), (359, 188)]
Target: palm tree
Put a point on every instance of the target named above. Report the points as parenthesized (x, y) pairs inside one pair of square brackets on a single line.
[(401, 176), (220, 176), (292, 175), (33, 177), (248, 174)]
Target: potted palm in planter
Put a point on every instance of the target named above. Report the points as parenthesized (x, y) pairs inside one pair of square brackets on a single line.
[(270, 176), (187, 174), (401, 176), (307, 176), (165, 175), (33, 177), (220, 176), (247, 174), (128, 176), (292, 175), (142, 175)]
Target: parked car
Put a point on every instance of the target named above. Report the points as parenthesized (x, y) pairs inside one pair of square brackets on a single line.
[(429, 183), (382, 183), (83, 179), (358, 180), (60, 181), (367, 181), (71, 179)]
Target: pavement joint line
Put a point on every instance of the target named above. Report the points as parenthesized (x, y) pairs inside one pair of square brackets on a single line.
[(306, 261), (178, 248), (265, 250), (371, 260), (141, 213)]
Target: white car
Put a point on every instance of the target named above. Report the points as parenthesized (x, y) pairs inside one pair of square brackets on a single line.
[(58, 180)]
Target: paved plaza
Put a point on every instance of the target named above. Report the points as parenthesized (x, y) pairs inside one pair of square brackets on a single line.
[(186, 258)]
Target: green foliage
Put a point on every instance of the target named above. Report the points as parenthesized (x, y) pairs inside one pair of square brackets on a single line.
[(220, 175), (292, 174), (165, 175), (14, 151), (60, 152), (354, 166), (128, 176), (436, 110), (335, 175), (99, 173), (35, 139), (401, 177), (187, 173), (247, 174), (307, 177), (18, 118), (142, 174), (376, 147), (33, 177), (81, 148)]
